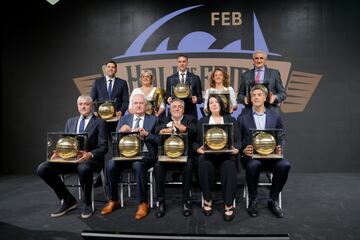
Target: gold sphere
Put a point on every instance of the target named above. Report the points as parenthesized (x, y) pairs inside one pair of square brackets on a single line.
[(174, 146), (216, 138), (149, 109), (264, 143), (129, 145), (67, 147), (182, 90), (106, 110)]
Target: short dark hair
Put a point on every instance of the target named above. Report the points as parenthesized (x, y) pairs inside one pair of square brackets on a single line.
[(221, 103), (182, 55), (111, 61)]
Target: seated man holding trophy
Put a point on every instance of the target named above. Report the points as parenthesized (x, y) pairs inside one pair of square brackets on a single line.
[(86, 163), (145, 125), (217, 147), (176, 123), (268, 147)]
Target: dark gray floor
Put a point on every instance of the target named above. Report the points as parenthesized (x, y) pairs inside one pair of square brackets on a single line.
[(316, 206)]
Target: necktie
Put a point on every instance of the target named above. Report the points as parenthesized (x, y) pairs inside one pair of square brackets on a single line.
[(257, 78), (182, 78), (110, 88), (82, 124), (137, 124)]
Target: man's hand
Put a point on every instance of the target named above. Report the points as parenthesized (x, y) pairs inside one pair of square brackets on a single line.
[(246, 101), (125, 128), (200, 150), (272, 98), (84, 156), (96, 114), (54, 155), (118, 114), (181, 127), (166, 130), (194, 99), (235, 151), (143, 132), (249, 150), (279, 150), (169, 100)]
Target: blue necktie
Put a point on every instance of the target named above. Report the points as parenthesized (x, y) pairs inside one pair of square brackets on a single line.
[(82, 124), (137, 124), (110, 88)]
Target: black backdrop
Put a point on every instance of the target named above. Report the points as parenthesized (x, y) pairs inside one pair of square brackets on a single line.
[(44, 47)]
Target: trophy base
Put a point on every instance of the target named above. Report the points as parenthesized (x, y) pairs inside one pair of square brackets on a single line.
[(181, 159), (113, 119), (269, 156), (218, 151), (61, 160), (136, 158)]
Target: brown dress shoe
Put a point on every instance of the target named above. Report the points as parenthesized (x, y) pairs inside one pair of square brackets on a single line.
[(143, 210), (110, 207)]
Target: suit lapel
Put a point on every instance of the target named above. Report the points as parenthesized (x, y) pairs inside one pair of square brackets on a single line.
[(103, 86), (74, 125), (252, 76), (269, 120), (146, 124), (251, 120), (266, 75), (89, 125)]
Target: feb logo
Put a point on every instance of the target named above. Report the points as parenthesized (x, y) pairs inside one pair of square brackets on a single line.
[(299, 86)]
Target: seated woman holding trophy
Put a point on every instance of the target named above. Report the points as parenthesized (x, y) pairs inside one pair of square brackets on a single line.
[(155, 104), (220, 85), (217, 145)]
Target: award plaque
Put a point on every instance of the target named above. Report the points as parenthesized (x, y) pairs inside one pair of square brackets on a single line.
[(126, 146), (225, 97), (106, 109), (173, 147), (65, 147), (265, 86), (218, 138), (181, 90), (264, 143)]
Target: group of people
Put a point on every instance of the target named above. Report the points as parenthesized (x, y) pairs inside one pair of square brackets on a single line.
[(261, 91)]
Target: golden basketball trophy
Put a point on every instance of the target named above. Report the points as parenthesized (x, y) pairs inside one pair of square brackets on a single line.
[(64, 147), (181, 91), (173, 147), (218, 138), (126, 146), (106, 110), (264, 143)]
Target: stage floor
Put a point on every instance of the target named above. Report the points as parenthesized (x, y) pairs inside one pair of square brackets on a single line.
[(316, 206)]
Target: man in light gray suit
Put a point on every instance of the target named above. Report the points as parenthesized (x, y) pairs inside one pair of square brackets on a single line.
[(145, 124), (261, 74), (89, 161)]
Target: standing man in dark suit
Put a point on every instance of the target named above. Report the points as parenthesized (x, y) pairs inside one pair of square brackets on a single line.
[(138, 121), (184, 76), (179, 123), (260, 118), (88, 163), (261, 74)]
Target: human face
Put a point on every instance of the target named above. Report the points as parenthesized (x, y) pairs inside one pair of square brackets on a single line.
[(138, 105), (258, 98), (84, 107), (182, 63), (214, 105), (110, 70), (219, 77), (176, 110), (259, 60), (145, 80)]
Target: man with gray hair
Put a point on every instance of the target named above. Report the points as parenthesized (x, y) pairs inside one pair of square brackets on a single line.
[(261, 74), (89, 161)]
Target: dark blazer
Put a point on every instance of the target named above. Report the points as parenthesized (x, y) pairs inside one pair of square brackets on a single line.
[(120, 92), (97, 137), (227, 119), (246, 122), (196, 90), (271, 77), (150, 122)]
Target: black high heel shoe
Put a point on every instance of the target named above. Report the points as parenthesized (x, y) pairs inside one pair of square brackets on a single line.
[(207, 212), (227, 217)]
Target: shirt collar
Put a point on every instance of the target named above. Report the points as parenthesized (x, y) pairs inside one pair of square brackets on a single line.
[(257, 113), (88, 117), (108, 78), (179, 120), (260, 69)]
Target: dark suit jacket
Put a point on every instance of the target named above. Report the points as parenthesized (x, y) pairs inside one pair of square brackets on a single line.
[(150, 122), (120, 91), (246, 122), (188, 121), (97, 137), (196, 90), (227, 119), (271, 77)]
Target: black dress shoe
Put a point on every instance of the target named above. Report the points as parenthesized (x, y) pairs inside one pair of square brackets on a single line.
[(68, 204), (229, 217), (252, 209), (275, 208), (87, 211), (161, 210), (187, 208)]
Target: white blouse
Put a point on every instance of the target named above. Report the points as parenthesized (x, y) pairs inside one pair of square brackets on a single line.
[(212, 120), (148, 97), (214, 90)]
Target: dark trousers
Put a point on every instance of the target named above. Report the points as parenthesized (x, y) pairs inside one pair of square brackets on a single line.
[(114, 168), (206, 170), (50, 171), (253, 167), (160, 170)]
